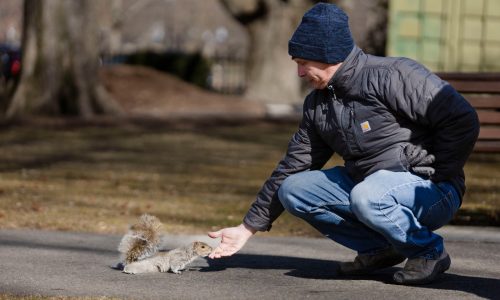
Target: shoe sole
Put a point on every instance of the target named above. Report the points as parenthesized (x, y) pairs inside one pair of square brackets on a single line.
[(441, 267)]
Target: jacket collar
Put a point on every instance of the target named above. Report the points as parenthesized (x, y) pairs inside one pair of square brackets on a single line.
[(342, 79)]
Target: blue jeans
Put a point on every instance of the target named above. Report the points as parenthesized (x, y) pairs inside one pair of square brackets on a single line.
[(397, 209)]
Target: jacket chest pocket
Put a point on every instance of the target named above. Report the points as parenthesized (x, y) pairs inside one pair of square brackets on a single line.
[(371, 125)]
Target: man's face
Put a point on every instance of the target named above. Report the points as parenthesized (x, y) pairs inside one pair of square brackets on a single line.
[(316, 73)]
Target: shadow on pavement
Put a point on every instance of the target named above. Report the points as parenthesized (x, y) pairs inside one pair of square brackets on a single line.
[(488, 288), (54, 246), (300, 267), (310, 268)]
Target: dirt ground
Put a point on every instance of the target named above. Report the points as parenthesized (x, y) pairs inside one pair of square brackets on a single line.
[(145, 92)]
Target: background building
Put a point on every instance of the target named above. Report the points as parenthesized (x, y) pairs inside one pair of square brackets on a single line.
[(446, 35)]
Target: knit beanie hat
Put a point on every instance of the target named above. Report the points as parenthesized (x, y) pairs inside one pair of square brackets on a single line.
[(323, 35)]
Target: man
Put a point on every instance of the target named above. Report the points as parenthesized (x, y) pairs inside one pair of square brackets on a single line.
[(404, 135)]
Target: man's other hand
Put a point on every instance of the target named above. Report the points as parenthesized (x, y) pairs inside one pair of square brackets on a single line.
[(419, 160)]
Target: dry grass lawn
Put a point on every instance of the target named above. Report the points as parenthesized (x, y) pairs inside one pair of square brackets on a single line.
[(101, 178)]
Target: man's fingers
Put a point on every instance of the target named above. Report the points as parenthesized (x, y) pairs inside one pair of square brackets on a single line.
[(215, 253), (215, 234), (428, 160), (412, 150), (218, 253), (426, 171), (420, 156)]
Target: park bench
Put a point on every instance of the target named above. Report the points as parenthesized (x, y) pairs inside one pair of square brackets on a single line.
[(482, 90)]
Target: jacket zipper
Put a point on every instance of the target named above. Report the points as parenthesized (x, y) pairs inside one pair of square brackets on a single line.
[(340, 119), (341, 124), (334, 98), (330, 87), (351, 117)]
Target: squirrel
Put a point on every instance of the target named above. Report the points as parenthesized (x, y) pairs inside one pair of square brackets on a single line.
[(174, 260), (139, 249)]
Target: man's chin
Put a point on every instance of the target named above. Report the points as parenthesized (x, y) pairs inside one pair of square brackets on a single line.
[(316, 85)]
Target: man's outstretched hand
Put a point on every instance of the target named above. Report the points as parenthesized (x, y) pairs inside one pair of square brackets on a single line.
[(232, 240)]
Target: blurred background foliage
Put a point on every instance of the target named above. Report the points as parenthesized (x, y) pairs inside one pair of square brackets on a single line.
[(193, 68), (228, 46)]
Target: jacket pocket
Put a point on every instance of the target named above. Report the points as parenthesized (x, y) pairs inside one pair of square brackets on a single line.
[(373, 127)]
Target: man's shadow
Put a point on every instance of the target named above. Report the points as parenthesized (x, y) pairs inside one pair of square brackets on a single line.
[(310, 268)]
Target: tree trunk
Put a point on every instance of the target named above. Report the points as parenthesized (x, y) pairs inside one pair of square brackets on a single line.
[(60, 62), (272, 75)]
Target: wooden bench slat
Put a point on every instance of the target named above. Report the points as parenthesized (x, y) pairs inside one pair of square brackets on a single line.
[(476, 86), (490, 101), (488, 76), (487, 146), (489, 133), (488, 116)]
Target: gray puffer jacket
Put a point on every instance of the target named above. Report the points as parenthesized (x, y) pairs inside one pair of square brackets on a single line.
[(373, 107)]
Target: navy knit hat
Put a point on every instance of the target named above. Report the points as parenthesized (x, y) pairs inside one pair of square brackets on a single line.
[(323, 35)]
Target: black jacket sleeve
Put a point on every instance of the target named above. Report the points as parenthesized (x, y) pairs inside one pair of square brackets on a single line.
[(422, 97), (306, 151)]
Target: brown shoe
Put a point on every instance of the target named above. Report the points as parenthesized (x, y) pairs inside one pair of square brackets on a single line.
[(421, 270), (365, 264)]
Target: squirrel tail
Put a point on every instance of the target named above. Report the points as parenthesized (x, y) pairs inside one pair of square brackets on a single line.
[(142, 239)]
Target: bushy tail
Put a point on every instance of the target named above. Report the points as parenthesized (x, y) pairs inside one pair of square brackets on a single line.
[(142, 240)]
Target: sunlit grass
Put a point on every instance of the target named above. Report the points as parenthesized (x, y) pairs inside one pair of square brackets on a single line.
[(101, 178)]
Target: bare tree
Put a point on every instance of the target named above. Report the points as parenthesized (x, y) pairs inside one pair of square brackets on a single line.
[(60, 62), (271, 73)]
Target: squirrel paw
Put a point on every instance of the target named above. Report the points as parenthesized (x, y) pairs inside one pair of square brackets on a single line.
[(128, 270)]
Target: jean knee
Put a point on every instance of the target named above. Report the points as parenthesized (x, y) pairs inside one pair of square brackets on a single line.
[(289, 191), (363, 203)]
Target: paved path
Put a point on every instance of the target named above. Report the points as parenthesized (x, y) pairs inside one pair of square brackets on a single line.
[(78, 264)]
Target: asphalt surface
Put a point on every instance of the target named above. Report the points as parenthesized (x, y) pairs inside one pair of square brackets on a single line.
[(77, 264)]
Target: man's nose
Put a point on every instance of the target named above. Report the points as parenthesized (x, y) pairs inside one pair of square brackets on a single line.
[(301, 71)]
